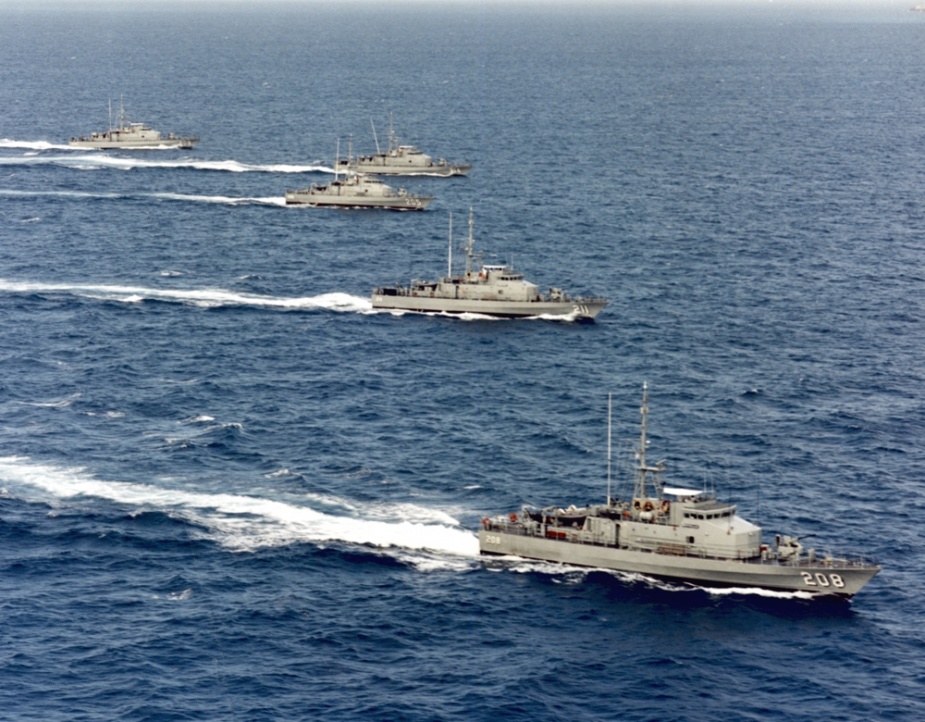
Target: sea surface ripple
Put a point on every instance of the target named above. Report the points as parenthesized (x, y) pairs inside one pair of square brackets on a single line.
[(230, 490)]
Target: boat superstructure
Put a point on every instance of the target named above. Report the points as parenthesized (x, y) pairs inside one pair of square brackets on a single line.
[(492, 290), (399, 159), (129, 135), (673, 533)]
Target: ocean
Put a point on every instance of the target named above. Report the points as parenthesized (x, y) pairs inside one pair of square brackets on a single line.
[(230, 490)]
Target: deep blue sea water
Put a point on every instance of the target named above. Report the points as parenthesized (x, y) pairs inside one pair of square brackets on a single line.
[(230, 491)]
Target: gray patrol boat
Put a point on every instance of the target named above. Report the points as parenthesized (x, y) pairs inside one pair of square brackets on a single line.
[(677, 534), (399, 160), (128, 135), (491, 290), (357, 191)]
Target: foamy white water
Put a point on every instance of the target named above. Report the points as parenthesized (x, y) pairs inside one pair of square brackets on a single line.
[(246, 523), (206, 298), (100, 160), (32, 144), (182, 197)]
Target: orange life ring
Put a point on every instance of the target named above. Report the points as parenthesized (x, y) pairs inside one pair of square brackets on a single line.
[(486, 522), (512, 516), (648, 506), (666, 506), (636, 504)]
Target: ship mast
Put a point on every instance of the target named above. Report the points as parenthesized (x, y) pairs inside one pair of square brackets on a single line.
[(644, 411), (449, 255), (642, 470), (609, 435), (375, 137), (469, 244)]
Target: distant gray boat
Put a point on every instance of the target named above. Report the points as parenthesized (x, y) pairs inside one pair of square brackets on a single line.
[(357, 191), (683, 535), (128, 135), (491, 290), (399, 160)]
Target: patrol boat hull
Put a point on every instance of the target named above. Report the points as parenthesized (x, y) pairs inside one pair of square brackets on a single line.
[(383, 164), (399, 159), (490, 290), (684, 535), (836, 578), (417, 203), (131, 136), (138, 144), (580, 310), (357, 191)]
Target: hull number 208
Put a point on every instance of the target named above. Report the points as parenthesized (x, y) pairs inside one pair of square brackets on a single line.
[(823, 580)]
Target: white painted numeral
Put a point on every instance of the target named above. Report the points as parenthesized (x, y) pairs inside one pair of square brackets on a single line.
[(823, 580)]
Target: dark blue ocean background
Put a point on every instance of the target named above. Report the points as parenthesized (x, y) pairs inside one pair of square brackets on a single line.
[(231, 491)]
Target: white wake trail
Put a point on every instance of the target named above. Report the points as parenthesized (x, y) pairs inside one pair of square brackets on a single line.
[(204, 298), (31, 144), (279, 201), (246, 523), (98, 160)]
